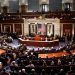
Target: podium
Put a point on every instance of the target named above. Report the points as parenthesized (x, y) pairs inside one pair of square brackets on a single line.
[(37, 38)]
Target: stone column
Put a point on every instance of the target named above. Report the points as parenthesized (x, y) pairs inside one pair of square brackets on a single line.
[(61, 29), (73, 30)]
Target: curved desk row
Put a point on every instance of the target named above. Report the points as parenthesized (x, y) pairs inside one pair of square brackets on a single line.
[(57, 54), (39, 43)]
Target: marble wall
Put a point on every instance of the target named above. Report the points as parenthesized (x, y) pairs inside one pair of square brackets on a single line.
[(55, 22)]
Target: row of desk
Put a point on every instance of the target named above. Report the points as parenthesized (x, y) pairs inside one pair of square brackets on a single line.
[(39, 43)]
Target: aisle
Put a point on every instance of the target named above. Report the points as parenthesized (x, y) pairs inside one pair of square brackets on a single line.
[(14, 44)]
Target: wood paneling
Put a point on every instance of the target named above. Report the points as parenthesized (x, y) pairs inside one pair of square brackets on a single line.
[(18, 29), (67, 20), (74, 29), (12, 20), (7, 28), (40, 43), (0, 28), (67, 29)]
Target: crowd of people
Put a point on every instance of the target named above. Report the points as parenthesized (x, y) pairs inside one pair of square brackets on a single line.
[(21, 61)]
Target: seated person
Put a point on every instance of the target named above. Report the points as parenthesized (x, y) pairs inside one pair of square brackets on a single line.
[(37, 38), (9, 39), (23, 72), (32, 72), (4, 72), (30, 64)]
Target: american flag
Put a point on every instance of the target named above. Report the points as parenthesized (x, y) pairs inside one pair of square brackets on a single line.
[(41, 29)]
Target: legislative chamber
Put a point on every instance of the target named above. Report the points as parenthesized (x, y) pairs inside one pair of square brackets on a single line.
[(37, 37)]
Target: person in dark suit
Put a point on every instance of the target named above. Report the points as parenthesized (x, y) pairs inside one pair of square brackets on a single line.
[(4, 72), (61, 72), (23, 72)]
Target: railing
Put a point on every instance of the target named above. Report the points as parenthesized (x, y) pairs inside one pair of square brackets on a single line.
[(56, 14)]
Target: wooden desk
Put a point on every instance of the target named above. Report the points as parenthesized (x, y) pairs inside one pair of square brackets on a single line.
[(58, 54), (2, 51), (39, 43)]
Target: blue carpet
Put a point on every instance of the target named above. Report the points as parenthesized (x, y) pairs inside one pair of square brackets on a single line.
[(16, 44)]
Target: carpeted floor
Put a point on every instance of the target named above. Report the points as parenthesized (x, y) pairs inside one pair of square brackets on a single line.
[(16, 44)]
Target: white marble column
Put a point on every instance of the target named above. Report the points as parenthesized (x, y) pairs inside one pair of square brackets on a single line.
[(61, 29), (73, 29)]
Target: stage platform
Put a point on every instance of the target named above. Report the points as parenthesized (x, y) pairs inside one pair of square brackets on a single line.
[(40, 43)]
